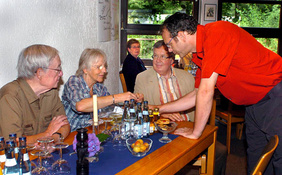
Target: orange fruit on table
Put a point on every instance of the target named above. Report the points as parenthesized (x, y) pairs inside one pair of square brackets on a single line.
[(136, 149)]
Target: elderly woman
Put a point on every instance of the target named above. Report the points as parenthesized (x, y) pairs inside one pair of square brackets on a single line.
[(30, 106), (78, 90)]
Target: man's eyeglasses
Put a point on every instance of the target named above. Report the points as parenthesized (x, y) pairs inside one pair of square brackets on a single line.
[(135, 47), (168, 44), (162, 57), (58, 69)]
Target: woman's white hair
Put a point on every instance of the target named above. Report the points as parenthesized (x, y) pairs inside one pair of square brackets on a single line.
[(88, 57)]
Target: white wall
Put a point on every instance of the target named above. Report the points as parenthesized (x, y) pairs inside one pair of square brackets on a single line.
[(68, 25)]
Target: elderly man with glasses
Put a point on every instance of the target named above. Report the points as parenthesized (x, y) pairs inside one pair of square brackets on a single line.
[(30, 106)]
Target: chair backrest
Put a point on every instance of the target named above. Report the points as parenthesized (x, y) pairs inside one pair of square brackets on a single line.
[(121, 76), (266, 155)]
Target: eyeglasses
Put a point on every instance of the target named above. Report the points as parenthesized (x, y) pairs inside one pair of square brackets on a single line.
[(162, 57), (135, 47), (168, 44), (58, 69), (100, 67)]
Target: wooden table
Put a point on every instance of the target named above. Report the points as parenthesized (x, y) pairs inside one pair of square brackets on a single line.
[(170, 158)]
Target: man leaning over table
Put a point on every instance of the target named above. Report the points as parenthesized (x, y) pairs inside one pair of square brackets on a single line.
[(243, 70), (30, 105), (163, 83)]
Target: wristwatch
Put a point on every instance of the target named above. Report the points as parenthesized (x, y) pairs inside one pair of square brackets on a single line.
[(61, 137)]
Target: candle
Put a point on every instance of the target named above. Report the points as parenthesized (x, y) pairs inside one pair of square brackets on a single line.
[(95, 110)]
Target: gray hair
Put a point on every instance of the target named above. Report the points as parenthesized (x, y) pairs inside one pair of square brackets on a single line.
[(34, 57), (88, 57)]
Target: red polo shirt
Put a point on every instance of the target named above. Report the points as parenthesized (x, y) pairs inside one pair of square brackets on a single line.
[(247, 70)]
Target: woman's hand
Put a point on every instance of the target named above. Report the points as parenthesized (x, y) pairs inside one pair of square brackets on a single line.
[(120, 98)]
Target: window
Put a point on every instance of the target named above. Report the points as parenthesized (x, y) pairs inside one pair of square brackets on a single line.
[(260, 18), (141, 19)]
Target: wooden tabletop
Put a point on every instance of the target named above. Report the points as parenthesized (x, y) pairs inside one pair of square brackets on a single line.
[(170, 158)]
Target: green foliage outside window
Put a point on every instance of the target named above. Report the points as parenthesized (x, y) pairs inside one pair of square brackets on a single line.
[(155, 11), (254, 15)]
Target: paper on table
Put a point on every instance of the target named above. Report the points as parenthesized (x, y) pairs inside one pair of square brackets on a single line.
[(118, 110)]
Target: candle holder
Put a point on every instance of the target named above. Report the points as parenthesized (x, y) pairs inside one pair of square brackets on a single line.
[(82, 164), (95, 128)]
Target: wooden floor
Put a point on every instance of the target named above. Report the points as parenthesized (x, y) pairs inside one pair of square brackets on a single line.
[(236, 160)]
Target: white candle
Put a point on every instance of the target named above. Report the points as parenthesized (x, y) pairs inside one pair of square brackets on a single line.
[(95, 110)]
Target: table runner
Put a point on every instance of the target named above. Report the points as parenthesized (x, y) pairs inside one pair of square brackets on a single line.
[(111, 161)]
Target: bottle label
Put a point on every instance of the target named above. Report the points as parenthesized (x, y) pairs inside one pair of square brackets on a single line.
[(25, 157), (131, 110), (3, 158), (145, 113), (28, 173), (10, 162), (138, 131)]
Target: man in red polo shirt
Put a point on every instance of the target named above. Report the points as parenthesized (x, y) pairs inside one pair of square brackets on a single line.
[(243, 70)]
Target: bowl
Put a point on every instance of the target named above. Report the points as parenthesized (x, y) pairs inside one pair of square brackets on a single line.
[(139, 147)]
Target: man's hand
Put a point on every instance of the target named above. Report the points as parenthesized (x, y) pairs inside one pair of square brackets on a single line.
[(56, 123), (186, 132), (173, 117)]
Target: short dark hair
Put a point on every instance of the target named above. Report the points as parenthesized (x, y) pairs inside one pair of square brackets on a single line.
[(131, 41), (160, 44), (180, 22)]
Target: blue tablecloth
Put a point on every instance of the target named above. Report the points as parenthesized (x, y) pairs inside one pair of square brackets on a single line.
[(111, 161)]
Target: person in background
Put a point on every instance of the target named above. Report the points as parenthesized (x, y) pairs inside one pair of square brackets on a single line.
[(30, 106), (88, 80), (243, 70), (132, 64), (163, 83)]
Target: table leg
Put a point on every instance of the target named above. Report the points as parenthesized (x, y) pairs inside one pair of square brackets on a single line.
[(211, 156)]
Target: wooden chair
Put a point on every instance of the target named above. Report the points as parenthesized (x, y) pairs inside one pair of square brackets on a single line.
[(229, 116), (266, 156), (121, 76)]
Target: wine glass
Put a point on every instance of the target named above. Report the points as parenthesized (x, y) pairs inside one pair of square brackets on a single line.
[(165, 129), (119, 139), (47, 159), (61, 165), (40, 170), (106, 119)]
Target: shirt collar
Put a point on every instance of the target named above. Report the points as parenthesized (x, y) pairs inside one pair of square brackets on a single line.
[(171, 75)]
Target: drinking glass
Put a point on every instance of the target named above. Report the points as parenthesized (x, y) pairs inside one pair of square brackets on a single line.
[(165, 129), (47, 159), (40, 170), (106, 119), (61, 166), (119, 138)]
